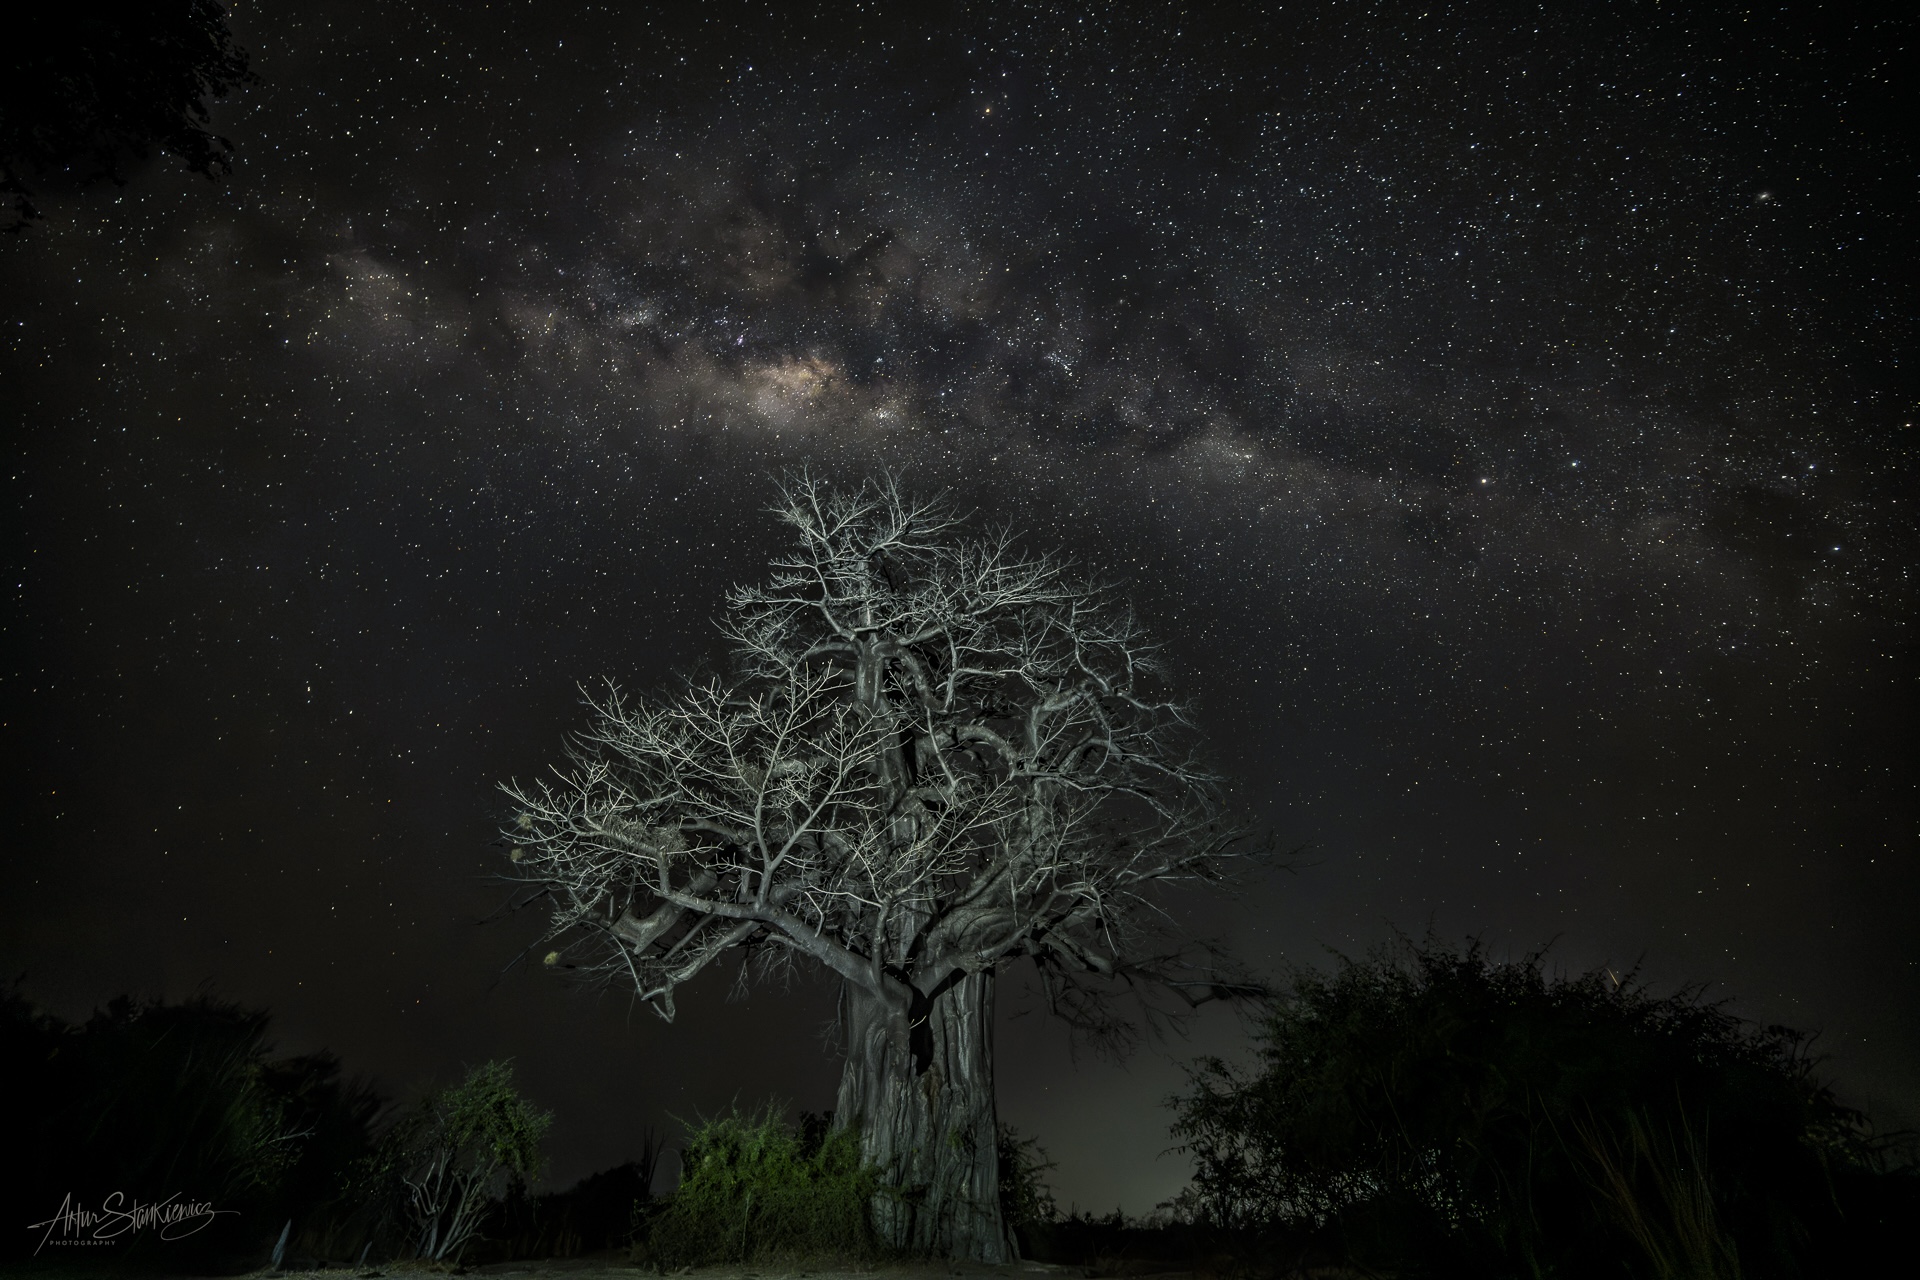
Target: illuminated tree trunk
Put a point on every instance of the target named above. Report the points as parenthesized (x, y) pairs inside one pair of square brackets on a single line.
[(918, 1088)]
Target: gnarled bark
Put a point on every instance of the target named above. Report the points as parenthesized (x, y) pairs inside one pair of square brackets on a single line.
[(918, 1087)]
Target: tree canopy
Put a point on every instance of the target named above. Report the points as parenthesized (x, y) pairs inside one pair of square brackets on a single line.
[(90, 87), (1436, 1110), (940, 753)]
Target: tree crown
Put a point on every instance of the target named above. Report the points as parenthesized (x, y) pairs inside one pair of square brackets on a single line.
[(939, 753)]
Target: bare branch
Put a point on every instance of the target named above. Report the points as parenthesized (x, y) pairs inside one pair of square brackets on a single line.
[(941, 754)]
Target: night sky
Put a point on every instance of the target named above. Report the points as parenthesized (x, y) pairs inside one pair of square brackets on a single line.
[(1503, 413)]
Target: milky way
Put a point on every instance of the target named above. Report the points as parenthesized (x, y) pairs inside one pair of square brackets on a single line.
[(1501, 415)]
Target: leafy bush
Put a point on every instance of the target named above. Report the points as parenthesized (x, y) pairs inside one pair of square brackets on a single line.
[(443, 1166), (1026, 1201), (1434, 1111), (754, 1188)]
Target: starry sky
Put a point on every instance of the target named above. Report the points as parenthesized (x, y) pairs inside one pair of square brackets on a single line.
[(1503, 413)]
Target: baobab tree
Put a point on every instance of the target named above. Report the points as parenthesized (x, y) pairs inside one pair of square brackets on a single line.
[(938, 755)]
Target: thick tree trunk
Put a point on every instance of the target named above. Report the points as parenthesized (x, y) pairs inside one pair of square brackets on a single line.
[(918, 1087)]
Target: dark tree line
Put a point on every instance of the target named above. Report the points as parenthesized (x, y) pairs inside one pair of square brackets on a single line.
[(151, 1100), (1422, 1113), (1429, 1111)]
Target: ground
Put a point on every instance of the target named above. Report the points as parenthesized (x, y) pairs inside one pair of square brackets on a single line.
[(611, 1268)]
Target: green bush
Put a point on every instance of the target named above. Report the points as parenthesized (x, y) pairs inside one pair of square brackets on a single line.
[(1434, 1112), (445, 1164), (754, 1188), (1026, 1201)]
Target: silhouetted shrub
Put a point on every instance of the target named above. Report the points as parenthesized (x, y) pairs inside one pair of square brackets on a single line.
[(1113, 1244), (754, 1188), (153, 1101), (602, 1211), (1432, 1111)]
